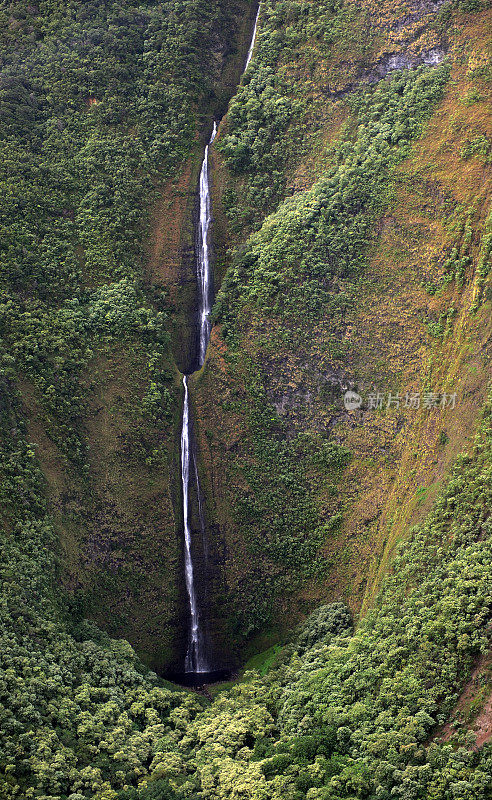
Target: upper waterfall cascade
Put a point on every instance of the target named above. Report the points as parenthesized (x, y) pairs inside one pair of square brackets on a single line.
[(203, 261), (253, 40)]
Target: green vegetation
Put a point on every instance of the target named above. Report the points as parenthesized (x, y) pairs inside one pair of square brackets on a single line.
[(273, 503), (77, 710), (268, 104), (319, 238), (262, 662), (484, 260), (52, 346), (101, 104)]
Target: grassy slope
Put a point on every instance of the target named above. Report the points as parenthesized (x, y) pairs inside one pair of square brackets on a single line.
[(380, 341)]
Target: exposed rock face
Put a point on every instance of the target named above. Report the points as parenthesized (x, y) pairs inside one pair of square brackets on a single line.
[(403, 60), (391, 63), (408, 43)]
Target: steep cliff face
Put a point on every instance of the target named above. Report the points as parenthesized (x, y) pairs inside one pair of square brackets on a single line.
[(351, 259), (349, 362), (371, 277)]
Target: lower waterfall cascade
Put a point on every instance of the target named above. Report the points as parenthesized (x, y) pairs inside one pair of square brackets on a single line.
[(195, 659)]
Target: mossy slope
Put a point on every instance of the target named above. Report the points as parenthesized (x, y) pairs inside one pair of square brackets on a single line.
[(379, 296)]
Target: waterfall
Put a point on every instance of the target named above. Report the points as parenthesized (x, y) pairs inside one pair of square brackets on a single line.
[(196, 661), (203, 265), (195, 658), (253, 40)]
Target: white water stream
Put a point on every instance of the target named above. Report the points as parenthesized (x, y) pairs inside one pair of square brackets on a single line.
[(203, 265), (253, 40), (196, 658)]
